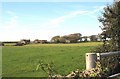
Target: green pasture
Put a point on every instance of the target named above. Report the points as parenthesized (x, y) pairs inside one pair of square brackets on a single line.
[(9, 44), (21, 61)]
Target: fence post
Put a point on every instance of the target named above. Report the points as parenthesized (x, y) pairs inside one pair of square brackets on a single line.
[(91, 59)]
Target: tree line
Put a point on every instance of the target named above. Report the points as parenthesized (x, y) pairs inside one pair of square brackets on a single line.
[(75, 38), (71, 38)]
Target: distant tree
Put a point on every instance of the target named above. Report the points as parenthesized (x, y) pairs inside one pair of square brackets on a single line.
[(93, 38), (25, 41), (73, 38), (99, 37), (63, 39), (55, 39), (36, 41)]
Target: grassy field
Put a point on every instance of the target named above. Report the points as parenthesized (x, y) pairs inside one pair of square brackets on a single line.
[(21, 61)]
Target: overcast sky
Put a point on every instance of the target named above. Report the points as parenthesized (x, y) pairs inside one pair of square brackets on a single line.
[(43, 20)]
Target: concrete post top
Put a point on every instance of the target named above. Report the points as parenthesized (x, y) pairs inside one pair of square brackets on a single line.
[(91, 59), (90, 53)]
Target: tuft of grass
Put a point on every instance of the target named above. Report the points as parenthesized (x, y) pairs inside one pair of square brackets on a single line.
[(21, 61)]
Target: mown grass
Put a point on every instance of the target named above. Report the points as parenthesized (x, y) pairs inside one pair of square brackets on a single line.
[(20, 61)]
